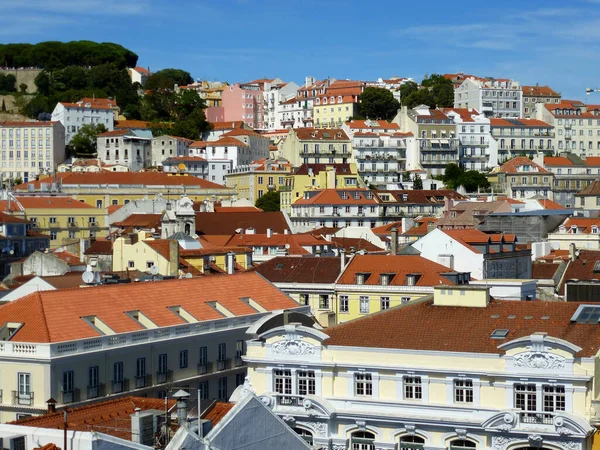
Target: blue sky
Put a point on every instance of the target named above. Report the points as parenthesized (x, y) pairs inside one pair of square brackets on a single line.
[(551, 42)]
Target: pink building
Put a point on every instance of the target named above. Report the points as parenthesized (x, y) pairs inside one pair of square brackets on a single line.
[(244, 102), (215, 114)]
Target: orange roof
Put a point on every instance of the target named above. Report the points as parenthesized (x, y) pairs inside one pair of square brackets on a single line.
[(320, 134), (9, 218), (70, 258), (397, 267), (45, 313), (512, 165), (549, 204), (129, 178), (217, 412), (295, 242), (95, 103), (336, 197), (52, 203), (387, 229), (218, 126), (121, 132), (226, 142), (146, 220), (584, 224), (142, 70), (237, 209), (112, 208), (471, 236), (373, 124), (557, 161), (466, 114), (241, 132), (421, 227), (132, 124), (198, 144), (27, 123), (539, 91), (160, 246), (592, 161), (349, 243), (49, 446)]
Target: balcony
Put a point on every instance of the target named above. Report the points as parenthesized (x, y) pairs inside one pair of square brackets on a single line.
[(22, 398), (120, 386), (143, 381), (95, 391), (223, 364), (164, 377), (289, 400), (239, 362), (204, 368), (70, 396), (536, 418)]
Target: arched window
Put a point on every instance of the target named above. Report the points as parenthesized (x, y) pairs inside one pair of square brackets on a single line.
[(188, 229), (362, 440), (305, 434), (460, 444), (411, 442)]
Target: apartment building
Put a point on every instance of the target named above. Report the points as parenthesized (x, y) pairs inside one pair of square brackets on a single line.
[(588, 199), (477, 151), (245, 102), (414, 203), (191, 165), (337, 104), (522, 137), (275, 96), (120, 188), (521, 177), (18, 239), (259, 177), (436, 142), (136, 339), (316, 146), (165, 147), (94, 111), (577, 126), (492, 97), (571, 175), (124, 147), (139, 74), (31, 148), (296, 113), (538, 94), (577, 232), (521, 375)]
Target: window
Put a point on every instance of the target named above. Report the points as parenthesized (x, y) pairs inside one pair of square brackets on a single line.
[(411, 442), (525, 397), (162, 363), (343, 303), (261, 180), (323, 301), (461, 444), (363, 384), (554, 398), (283, 381), (362, 440), (304, 299), (140, 368), (131, 264), (68, 387), (222, 352), (385, 303), (364, 304), (413, 388), (183, 359), (53, 235), (222, 393), (463, 391), (93, 377), (52, 220), (404, 300), (306, 382), (240, 379)]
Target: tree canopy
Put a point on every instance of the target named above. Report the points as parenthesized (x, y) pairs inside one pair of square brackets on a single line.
[(269, 202), (53, 55), (417, 183), (436, 91), (168, 78), (378, 103), (472, 180), (84, 142), (7, 83)]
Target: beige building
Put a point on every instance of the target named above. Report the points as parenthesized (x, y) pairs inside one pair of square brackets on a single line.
[(537, 94), (486, 374), (521, 177), (583, 232), (143, 253), (316, 146), (124, 147), (143, 339), (165, 147), (30, 148)]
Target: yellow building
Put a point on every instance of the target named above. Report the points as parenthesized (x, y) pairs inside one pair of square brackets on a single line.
[(338, 104), (456, 371), (309, 177), (143, 253), (119, 188), (314, 146), (254, 180), (65, 219)]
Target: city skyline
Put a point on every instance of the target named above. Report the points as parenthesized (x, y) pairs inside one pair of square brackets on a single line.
[(240, 40)]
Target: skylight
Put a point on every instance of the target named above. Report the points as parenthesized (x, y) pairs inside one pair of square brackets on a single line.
[(499, 334), (589, 314)]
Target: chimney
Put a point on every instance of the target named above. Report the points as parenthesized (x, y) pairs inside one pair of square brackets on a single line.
[(572, 252), (181, 396), (394, 241), (51, 405), (328, 237), (230, 262), (342, 260), (286, 231), (269, 233)]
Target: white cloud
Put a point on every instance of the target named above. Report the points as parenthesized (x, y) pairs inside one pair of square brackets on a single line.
[(75, 7)]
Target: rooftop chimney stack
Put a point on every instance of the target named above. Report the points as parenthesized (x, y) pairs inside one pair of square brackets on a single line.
[(572, 252), (181, 396), (230, 263), (342, 260), (269, 233), (394, 241)]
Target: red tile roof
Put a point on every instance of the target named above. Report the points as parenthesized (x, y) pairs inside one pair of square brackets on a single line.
[(142, 70), (372, 124), (219, 126), (336, 197), (70, 258), (132, 124), (591, 189), (9, 218), (226, 223), (421, 227), (52, 203), (387, 229), (286, 269), (513, 165), (102, 417), (238, 209), (319, 134), (27, 123), (549, 204), (395, 328), (430, 273), (45, 313), (100, 247), (518, 123), (227, 142), (121, 132), (584, 224), (470, 236), (559, 161), (348, 243), (217, 412), (543, 270), (583, 268), (145, 221), (293, 243), (161, 246), (539, 91)]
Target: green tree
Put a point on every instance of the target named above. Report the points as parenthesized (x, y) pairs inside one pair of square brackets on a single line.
[(3, 106), (269, 201), (417, 183), (180, 114), (472, 180), (406, 89), (378, 103), (452, 175), (84, 142), (419, 97), (22, 88), (442, 90), (168, 78)]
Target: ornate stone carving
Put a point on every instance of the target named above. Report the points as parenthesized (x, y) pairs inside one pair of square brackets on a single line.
[(289, 420), (247, 388), (461, 433), (501, 442), (410, 429), (361, 424), (293, 345), (266, 400), (535, 440), (566, 445), (320, 428), (559, 424), (338, 447), (539, 360)]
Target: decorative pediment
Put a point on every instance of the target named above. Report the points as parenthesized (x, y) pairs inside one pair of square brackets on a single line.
[(503, 421), (539, 360), (293, 345)]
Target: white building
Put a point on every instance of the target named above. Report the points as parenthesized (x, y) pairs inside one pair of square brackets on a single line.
[(296, 113), (95, 111), (31, 148), (492, 97), (138, 339), (193, 165), (165, 147), (139, 74), (477, 150), (275, 94), (125, 148)]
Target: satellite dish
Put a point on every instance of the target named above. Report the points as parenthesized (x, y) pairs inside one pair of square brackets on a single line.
[(97, 277), (287, 246), (88, 268), (154, 270), (12, 252), (188, 275), (181, 166), (577, 253), (152, 230), (87, 277)]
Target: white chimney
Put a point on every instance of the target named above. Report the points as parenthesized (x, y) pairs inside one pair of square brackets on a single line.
[(230, 263), (286, 231), (342, 259), (269, 233)]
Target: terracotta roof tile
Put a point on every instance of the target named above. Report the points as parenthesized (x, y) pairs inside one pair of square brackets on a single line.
[(513, 165), (591, 189), (100, 247), (70, 258), (226, 223), (542, 270), (217, 412), (161, 246), (320, 134), (559, 161), (539, 91), (146, 221), (286, 269), (348, 243), (44, 313), (132, 124), (421, 227), (227, 142), (52, 203), (394, 328), (336, 197), (583, 268), (584, 224)]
